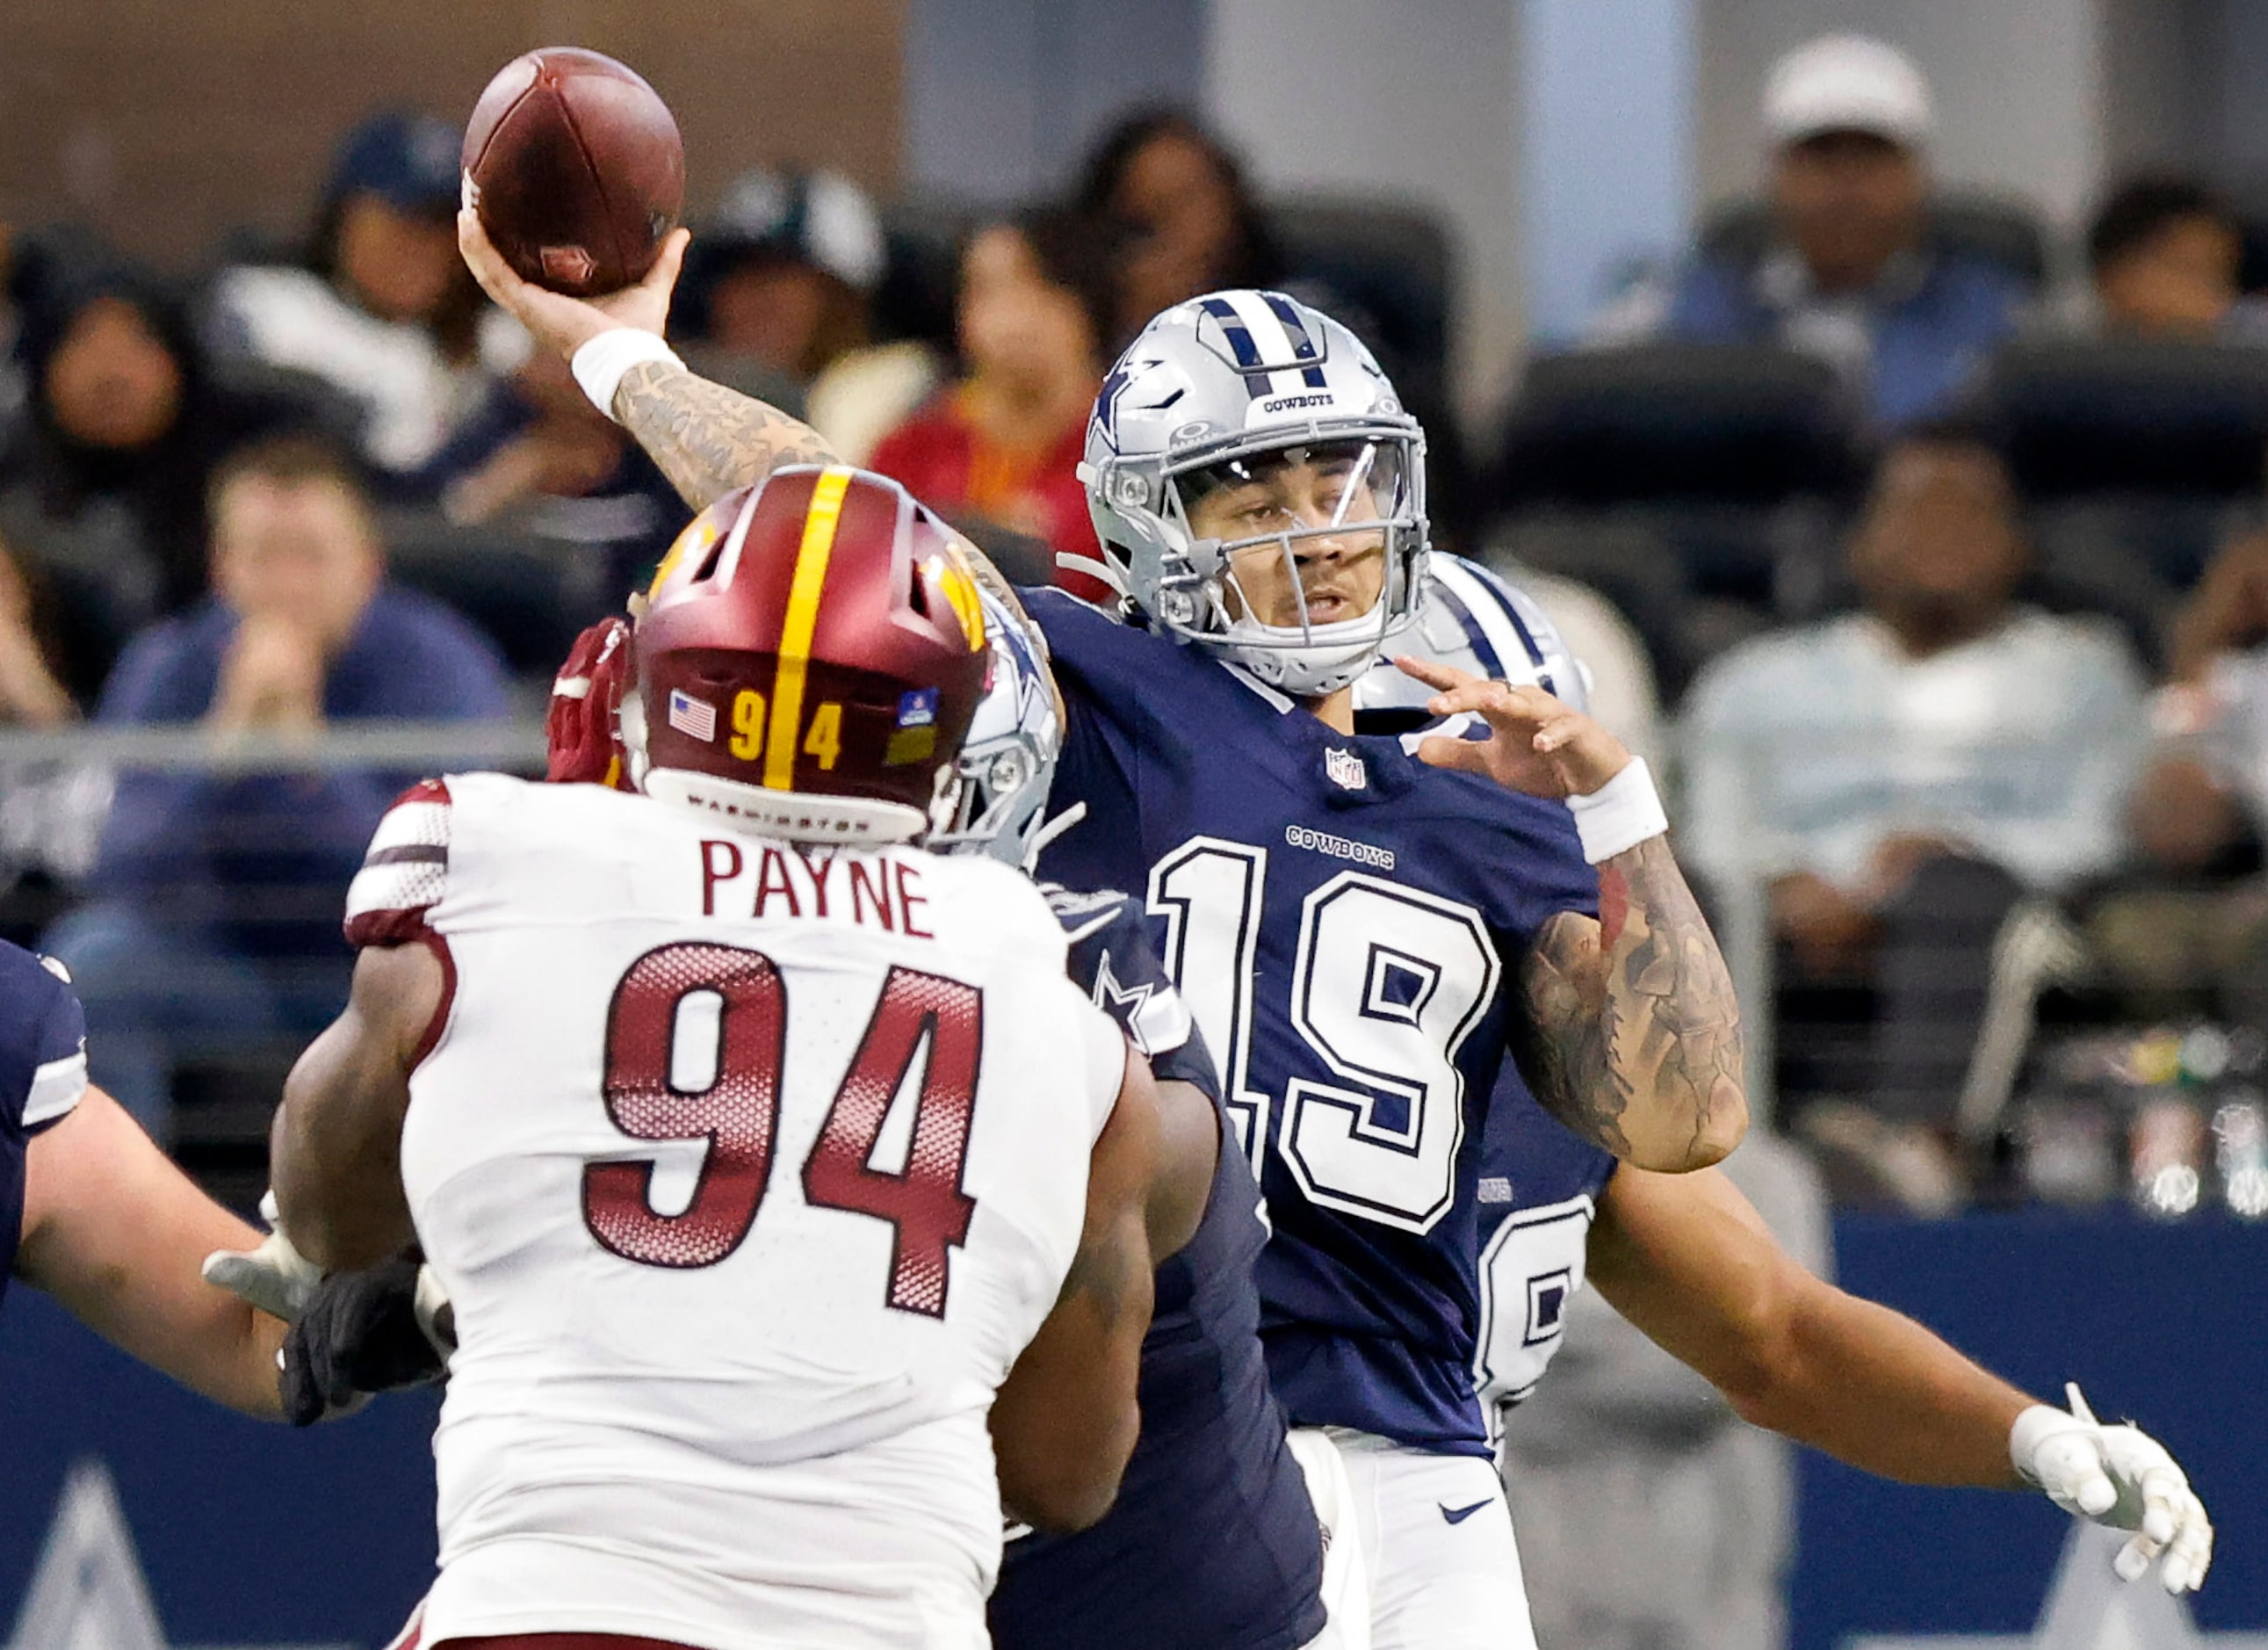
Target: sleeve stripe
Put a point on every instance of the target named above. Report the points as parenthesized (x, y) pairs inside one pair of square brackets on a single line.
[(395, 887), (409, 822), (406, 868), (56, 1088), (1162, 1024), (408, 853), (1094, 924)]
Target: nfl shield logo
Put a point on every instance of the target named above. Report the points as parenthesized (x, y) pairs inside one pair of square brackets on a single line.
[(1344, 769)]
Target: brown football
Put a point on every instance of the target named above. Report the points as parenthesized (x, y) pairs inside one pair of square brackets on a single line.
[(575, 168)]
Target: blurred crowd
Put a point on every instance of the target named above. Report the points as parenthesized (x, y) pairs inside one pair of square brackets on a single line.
[(1924, 542)]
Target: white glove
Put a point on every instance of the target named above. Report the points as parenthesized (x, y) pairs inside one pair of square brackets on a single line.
[(275, 1277), (2121, 1476), (435, 1314)]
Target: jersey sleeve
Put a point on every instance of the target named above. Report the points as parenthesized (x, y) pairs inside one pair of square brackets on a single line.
[(406, 872), (1112, 960), (1102, 1064), (43, 1041), (1093, 810), (1532, 867)]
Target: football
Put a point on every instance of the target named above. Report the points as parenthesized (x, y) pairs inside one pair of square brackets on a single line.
[(575, 166)]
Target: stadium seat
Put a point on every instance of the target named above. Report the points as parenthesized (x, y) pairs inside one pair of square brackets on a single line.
[(2249, 202), (1640, 559), (1698, 486), (223, 1107), (921, 268), (2000, 231), (1720, 423), (2101, 416), (531, 595), (1396, 264), (2106, 556), (2165, 440)]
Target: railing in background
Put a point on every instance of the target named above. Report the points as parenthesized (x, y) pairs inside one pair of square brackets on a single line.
[(418, 747)]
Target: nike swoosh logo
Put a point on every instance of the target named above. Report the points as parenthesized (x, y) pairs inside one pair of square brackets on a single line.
[(1460, 1515)]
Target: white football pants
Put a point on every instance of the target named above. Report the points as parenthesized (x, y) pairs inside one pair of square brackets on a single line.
[(1419, 1544)]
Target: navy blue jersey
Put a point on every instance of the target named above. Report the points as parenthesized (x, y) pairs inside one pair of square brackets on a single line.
[(1347, 926), (1538, 1194), (1212, 1541), (42, 1074)]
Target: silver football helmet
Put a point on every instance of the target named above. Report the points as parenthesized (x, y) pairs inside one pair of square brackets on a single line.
[(1216, 396), (1473, 620), (1007, 761)]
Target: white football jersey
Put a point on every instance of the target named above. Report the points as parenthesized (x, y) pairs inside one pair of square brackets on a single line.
[(749, 1172)]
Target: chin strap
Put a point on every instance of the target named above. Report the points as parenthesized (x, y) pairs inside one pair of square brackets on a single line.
[(1051, 830), (1102, 572)]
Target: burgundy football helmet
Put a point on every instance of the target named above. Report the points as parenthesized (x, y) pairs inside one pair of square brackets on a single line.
[(807, 662)]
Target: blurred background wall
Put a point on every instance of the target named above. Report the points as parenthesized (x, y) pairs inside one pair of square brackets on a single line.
[(165, 124), (222, 112)]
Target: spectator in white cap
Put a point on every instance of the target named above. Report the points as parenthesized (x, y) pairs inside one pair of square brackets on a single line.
[(1849, 273), (775, 299)]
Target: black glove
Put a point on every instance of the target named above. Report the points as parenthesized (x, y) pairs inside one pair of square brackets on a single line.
[(358, 1335)]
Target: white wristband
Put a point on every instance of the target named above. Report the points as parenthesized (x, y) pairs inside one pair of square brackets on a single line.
[(599, 365), (1619, 814)]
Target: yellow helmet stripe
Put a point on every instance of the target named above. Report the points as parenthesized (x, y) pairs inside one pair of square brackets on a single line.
[(960, 595), (811, 557)]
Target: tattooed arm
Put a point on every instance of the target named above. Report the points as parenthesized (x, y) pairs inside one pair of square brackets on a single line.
[(706, 438), (709, 439), (1631, 1034), (1632, 1038)]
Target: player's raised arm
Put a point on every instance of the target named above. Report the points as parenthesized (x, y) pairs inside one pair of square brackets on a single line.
[(334, 1151), (706, 438), (1065, 1420), (1688, 1261), (115, 1233), (1633, 1036)]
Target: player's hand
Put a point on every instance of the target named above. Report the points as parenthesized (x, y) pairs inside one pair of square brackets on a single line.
[(556, 321), (362, 1332), (2121, 1476), (275, 1277), (1535, 744)]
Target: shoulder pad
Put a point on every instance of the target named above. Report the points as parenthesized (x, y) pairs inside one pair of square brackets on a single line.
[(1113, 960), (1505, 627), (42, 1039), (406, 871)]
